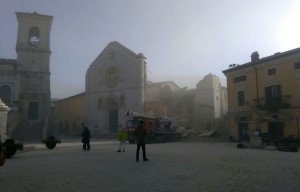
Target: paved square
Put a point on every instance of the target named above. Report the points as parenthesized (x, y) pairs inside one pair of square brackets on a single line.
[(180, 166)]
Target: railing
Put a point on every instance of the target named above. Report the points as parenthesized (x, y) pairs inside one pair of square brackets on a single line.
[(273, 103)]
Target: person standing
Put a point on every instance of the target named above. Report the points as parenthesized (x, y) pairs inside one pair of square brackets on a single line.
[(86, 136), (140, 133), (123, 137)]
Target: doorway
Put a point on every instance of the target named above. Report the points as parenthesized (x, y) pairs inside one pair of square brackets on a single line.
[(33, 111), (243, 131), (113, 121), (113, 114)]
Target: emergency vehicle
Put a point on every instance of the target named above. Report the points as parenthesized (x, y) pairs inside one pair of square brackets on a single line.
[(158, 128)]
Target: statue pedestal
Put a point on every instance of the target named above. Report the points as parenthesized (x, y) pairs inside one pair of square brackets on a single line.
[(3, 120)]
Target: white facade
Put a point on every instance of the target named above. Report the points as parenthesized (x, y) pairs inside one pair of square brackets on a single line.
[(115, 83), (3, 120), (210, 100)]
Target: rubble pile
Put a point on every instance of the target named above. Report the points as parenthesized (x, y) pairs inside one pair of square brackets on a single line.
[(193, 134)]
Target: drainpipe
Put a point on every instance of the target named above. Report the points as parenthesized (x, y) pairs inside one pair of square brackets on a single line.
[(256, 83), (257, 96)]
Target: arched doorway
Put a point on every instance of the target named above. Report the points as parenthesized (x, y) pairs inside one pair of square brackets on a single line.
[(113, 113)]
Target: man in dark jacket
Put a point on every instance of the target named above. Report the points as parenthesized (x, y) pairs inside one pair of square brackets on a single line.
[(86, 136), (140, 133)]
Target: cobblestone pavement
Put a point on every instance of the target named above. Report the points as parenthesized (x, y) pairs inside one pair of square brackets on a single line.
[(174, 167)]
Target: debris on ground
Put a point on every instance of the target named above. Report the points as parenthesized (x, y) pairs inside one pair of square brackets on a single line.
[(192, 134)]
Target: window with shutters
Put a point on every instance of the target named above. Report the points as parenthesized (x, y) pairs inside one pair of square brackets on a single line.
[(241, 98), (273, 95)]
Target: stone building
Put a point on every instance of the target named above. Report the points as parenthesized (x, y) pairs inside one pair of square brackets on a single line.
[(25, 81), (159, 97), (168, 99), (202, 109), (67, 119), (115, 84), (210, 102)]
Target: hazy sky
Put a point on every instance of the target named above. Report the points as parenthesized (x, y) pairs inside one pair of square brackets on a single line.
[(180, 38)]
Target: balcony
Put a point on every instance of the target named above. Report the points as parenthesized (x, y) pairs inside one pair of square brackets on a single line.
[(273, 103)]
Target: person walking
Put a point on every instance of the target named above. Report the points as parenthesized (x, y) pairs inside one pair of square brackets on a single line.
[(140, 133), (123, 137), (86, 136)]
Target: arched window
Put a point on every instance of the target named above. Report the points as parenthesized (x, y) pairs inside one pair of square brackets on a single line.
[(5, 94), (34, 36)]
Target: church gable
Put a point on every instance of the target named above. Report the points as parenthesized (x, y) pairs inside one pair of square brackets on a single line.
[(112, 54), (112, 67)]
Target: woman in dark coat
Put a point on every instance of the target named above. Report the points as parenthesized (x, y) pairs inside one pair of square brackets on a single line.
[(86, 136)]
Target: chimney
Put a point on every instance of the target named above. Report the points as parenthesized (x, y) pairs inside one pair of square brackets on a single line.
[(254, 56)]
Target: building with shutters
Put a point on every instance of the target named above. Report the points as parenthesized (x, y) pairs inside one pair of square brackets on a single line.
[(264, 96)]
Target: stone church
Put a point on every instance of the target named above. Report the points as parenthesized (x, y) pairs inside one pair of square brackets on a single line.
[(115, 84), (25, 81)]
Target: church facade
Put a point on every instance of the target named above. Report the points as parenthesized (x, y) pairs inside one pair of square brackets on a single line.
[(115, 84), (25, 81)]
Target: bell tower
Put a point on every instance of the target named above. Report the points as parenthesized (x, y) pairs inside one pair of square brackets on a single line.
[(33, 41), (33, 59)]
